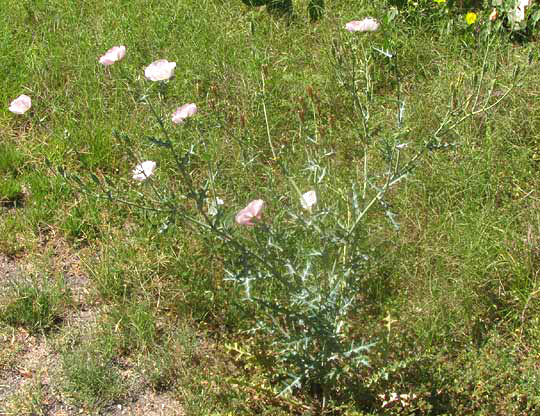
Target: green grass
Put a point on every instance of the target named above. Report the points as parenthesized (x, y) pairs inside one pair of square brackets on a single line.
[(91, 378), (38, 307), (459, 278)]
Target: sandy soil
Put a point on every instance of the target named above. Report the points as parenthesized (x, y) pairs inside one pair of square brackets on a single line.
[(30, 372)]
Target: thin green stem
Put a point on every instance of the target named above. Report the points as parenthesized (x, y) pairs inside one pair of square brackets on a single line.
[(266, 117)]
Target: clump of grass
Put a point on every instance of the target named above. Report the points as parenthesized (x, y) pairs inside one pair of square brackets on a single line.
[(15, 233), (131, 326), (121, 270), (11, 192), (36, 307), (91, 378), (111, 282), (160, 368), (81, 223), (165, 362), (11, 159)]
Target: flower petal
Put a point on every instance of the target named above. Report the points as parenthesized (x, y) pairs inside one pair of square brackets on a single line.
[(144, 170), (252, 211), (308, 199), (365, 25), (160, 70), (21, 104), (116, 53), (181, 113)]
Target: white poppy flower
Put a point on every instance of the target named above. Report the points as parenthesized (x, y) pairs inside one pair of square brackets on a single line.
[(160, 70), (144, 170), (308, 199), (21, 104), (116, 53), (365, 25), (251, 212), (181, 113)]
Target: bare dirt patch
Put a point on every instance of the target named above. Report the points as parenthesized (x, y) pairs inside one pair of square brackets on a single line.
[(30, 364), (8, 270), (150, 404)]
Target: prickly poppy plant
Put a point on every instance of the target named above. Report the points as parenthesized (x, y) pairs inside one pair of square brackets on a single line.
[(301, 273)]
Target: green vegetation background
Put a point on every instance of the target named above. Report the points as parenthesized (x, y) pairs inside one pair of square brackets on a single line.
[(452, 297)]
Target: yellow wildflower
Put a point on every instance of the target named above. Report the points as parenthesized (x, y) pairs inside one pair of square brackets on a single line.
[(470, 18), (440, 1)]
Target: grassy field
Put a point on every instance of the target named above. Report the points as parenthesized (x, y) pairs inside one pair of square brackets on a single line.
[(127, 297)]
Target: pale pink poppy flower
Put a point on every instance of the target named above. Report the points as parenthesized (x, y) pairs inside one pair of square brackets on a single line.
[(144, 170), (365, 25), (21, 104), (160, 70), (308, 199), (116, 53), (181, 113), (252, 211), (493, 15), (520, 9)]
